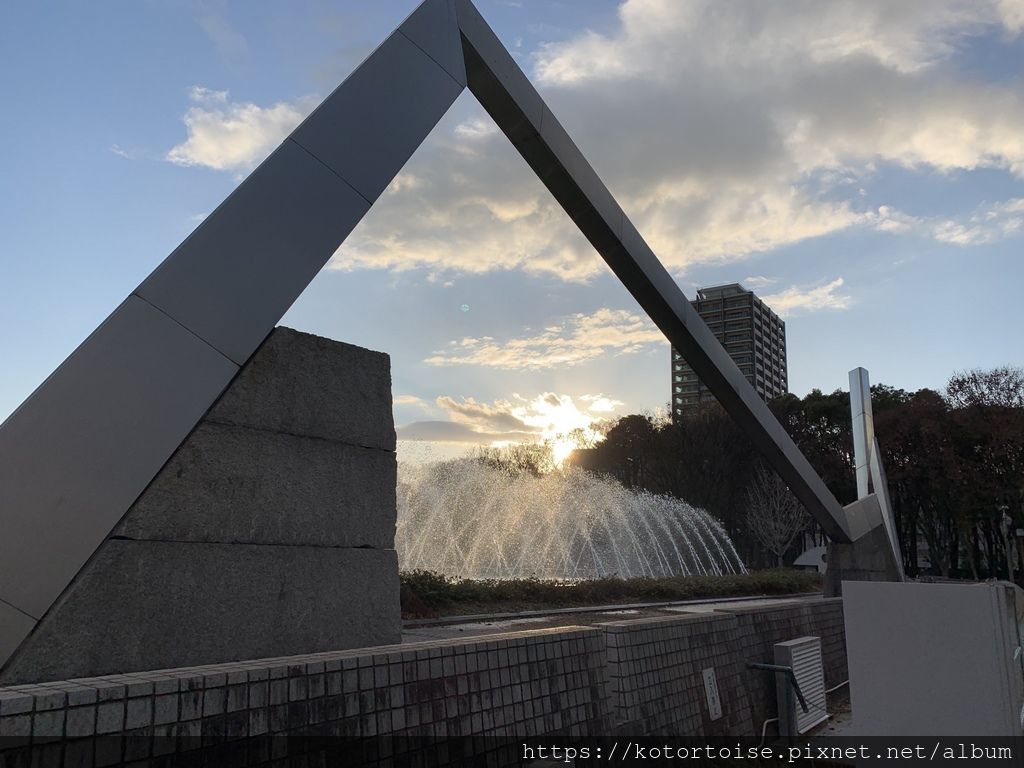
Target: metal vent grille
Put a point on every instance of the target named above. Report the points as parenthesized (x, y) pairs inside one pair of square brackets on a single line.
[(804, 656)]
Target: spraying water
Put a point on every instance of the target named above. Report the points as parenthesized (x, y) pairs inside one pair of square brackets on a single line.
[(464, 518)]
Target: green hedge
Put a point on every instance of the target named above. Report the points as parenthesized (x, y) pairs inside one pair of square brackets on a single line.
[(425, 593)]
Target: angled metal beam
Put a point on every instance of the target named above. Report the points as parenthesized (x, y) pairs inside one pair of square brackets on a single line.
[(867, 458), (507, 95), (87, 442), (79, 451)]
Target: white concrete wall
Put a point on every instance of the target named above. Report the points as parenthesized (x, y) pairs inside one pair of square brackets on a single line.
[(933, 659)]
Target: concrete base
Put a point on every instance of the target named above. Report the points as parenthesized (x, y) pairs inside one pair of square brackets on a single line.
[(869, 558), (269, 532)]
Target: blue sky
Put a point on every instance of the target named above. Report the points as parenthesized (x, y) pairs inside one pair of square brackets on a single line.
[(860, 164)]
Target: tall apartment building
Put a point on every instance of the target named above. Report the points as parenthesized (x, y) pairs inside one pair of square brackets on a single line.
[(753, 335)]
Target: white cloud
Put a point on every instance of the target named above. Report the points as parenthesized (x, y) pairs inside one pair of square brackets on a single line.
[(600, 403), (797, 299), (735, 128), (403, 182), (750, 126), (476, 128), (498, 416), (571, 341), (233, 136), (904, 36), (989, 223), (546, 416), (408, 400), (757, 282), (1011, 13), (449, 432)]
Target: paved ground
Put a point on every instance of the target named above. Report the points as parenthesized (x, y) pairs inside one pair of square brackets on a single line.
[(418, 630)]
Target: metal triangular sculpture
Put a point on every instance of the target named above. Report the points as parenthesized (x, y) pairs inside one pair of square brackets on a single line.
[(88, 441), (867, 456)]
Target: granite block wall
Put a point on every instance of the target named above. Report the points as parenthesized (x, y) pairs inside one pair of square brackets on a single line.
[(269, 532)]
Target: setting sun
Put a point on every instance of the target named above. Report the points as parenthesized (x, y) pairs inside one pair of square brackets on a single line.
[(562, 425), (561, 447)]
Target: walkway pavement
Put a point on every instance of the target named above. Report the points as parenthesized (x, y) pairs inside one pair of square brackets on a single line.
[(417, 630)]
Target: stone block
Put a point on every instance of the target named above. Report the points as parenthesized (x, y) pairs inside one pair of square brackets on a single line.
[(307, 385), (144, 604), (232, 484)]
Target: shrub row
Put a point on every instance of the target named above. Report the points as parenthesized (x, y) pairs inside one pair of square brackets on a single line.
[(425, 593)]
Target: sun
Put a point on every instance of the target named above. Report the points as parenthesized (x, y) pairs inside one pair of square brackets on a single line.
[(567, 429), (561, 448), (559, 424)]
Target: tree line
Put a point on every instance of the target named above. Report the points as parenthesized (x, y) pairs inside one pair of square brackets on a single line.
[(954, 460)]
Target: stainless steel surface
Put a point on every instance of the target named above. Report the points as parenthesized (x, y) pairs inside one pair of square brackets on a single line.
[(868, 458), (434, 27), (863, 427), (237, 274), (369, 127), (79, 451), (492, 72)]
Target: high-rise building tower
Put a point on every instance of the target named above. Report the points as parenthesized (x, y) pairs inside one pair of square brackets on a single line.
[(753, 335)]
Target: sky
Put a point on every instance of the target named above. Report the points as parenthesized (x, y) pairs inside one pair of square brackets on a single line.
[(858, 163)]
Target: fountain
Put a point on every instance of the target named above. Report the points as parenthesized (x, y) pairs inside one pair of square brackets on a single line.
[(466, 518)]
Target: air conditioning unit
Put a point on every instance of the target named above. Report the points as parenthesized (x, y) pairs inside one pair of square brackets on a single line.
[(803, 656)]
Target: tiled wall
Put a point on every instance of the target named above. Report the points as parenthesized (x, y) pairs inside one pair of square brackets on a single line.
[(655, 675), (760, 628), (641, 676), (655, 666), (516, 685)]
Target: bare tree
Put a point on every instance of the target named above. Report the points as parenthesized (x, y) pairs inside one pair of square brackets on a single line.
[(519, 458), (774, 516), (1001, 387)]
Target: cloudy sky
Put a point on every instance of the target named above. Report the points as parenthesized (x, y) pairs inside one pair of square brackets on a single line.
[(860, 163)]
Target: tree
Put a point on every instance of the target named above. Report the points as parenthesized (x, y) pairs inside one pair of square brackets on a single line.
[(918, 443), (774, 516), (988, 411), (1000, 387), (820, 426), (519, 458), (624, 452), (707, 460), (954, 461)]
